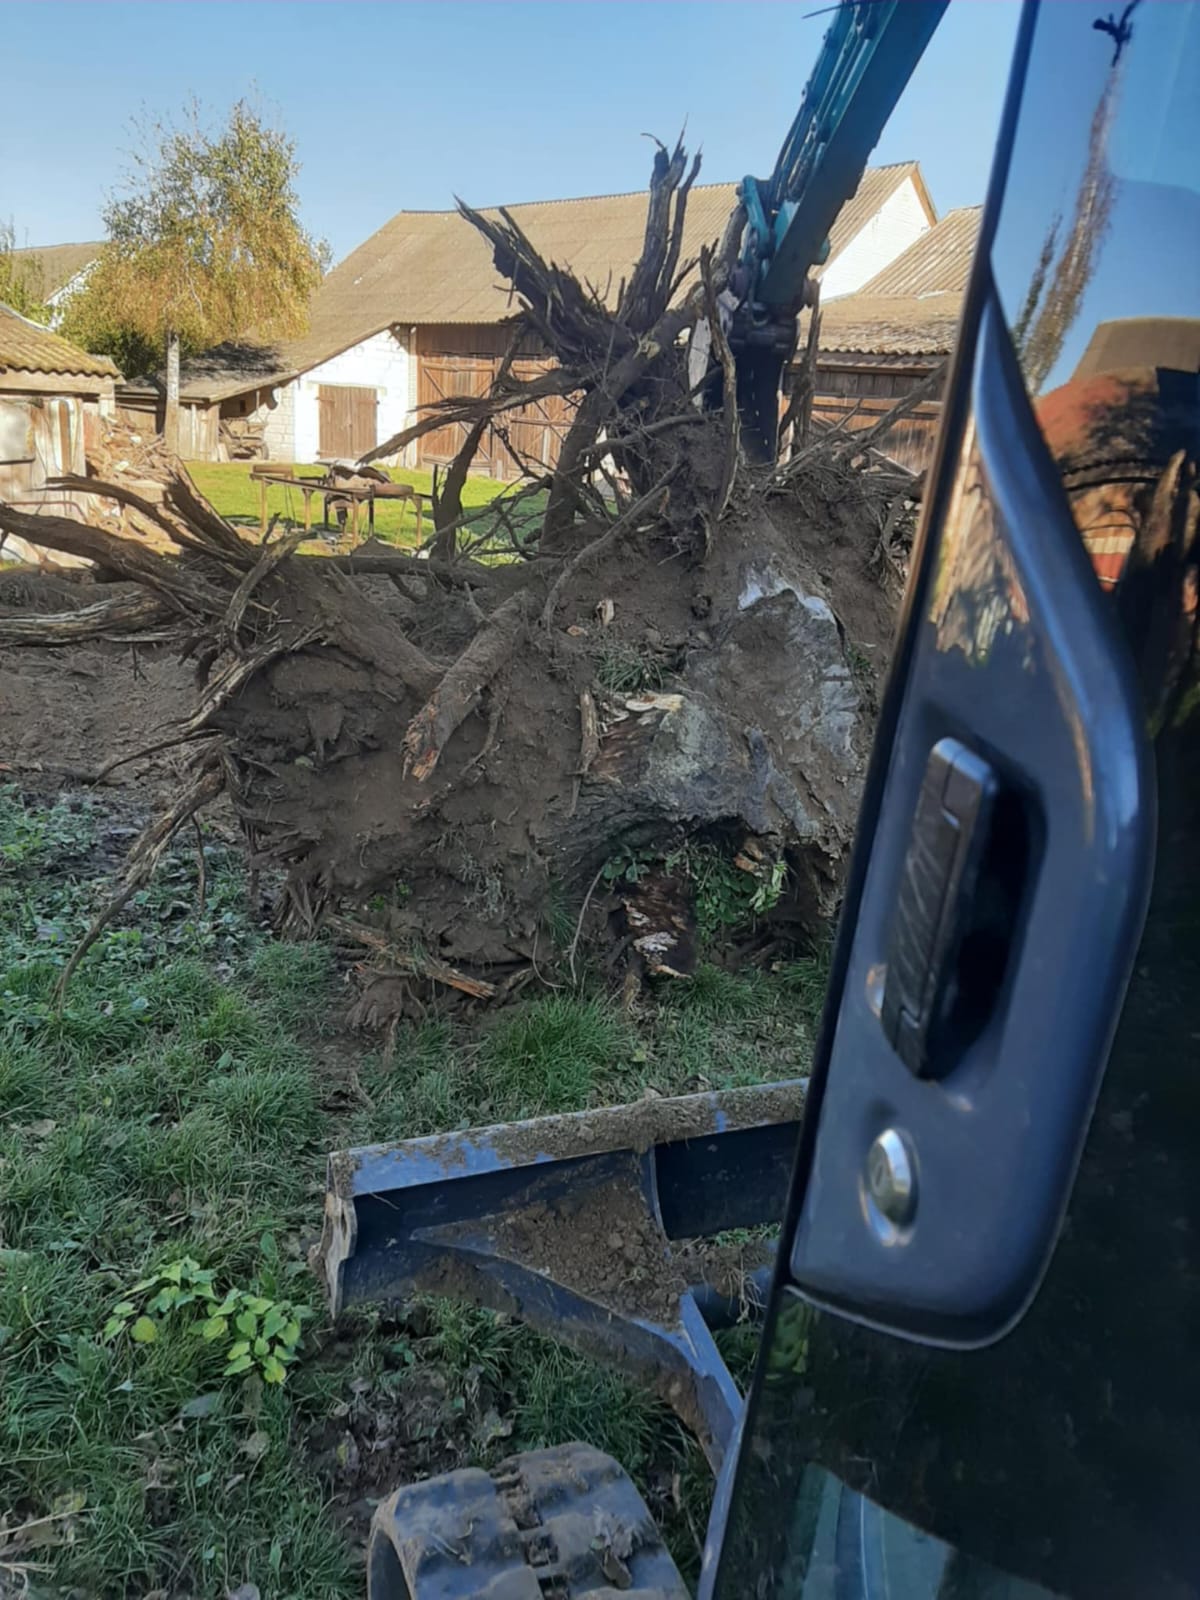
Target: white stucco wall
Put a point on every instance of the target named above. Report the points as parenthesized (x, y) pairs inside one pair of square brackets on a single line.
[(898, 222), (381, 362)]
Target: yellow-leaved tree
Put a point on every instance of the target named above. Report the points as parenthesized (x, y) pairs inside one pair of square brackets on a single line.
[(204, 245)]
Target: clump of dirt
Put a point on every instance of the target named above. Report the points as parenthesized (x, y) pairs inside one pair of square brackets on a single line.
[(726, 1266), (648, 1122), (604, 1243)]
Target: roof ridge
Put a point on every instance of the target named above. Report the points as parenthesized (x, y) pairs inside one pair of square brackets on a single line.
[(560, 200), (64, 244), (612, 194)]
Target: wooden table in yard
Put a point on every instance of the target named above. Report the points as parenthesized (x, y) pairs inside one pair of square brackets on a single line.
[(368, 493), (263, 475), (332, 490)]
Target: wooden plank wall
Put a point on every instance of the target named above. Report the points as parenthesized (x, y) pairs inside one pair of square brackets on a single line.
[(347, 420), (463, 360), (856, 396)]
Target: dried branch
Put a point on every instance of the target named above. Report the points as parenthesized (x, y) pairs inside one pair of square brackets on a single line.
[(447, 506), (470, 408), (724, 355), (929, 388), (412, 961), (122, 612), (178, 585), (457, 695)]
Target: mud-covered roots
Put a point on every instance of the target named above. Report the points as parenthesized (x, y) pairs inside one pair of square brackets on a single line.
[(645, 646)]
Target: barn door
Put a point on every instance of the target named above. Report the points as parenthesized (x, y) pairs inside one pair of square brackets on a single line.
[(537, 430), (347, 421), (443, 377)]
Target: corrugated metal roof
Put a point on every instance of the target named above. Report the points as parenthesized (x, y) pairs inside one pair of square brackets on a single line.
[(939, 262), (432, 267), (28, 347), (890, 325), (54, 265), (911, 306)]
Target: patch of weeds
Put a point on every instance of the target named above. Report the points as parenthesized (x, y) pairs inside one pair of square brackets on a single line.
[(25, 1090), (717, 995), (559, 915), (859, 663), (725, 1030), (38, 836), (252, 1331), (623, 669), (430, 1082), (560, 1396), (485, 885), (807, 979), (166, 1110), (727, 895)]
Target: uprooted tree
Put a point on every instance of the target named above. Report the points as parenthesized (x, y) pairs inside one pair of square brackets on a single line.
[(639, 658)]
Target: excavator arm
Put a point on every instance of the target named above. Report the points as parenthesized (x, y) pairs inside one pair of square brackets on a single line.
[(865, 62)]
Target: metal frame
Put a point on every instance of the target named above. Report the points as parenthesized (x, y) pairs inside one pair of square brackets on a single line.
[(434, 1215)]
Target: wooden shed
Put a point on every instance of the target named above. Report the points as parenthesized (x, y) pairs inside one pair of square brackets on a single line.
[(52, 397), (878, 344)]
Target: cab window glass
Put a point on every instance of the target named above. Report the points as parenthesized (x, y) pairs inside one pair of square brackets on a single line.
[(1101, 218)]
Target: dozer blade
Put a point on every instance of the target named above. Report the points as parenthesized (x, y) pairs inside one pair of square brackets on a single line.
[(576, 1225)]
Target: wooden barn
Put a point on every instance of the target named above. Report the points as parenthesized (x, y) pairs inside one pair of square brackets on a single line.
[(417, 312)]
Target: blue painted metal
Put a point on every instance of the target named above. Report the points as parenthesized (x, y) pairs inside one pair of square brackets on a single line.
[(443, 1215), (866, 60)]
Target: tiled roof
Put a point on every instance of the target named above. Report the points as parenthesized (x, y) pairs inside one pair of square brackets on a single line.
[(28, 347), (432, 267)]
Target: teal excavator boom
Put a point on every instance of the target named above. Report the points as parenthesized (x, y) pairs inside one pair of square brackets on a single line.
[(865, 62)]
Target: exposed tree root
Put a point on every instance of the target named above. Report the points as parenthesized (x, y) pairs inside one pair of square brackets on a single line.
[(658, 663)]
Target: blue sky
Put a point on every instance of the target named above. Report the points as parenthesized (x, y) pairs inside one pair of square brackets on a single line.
[(399, 106)]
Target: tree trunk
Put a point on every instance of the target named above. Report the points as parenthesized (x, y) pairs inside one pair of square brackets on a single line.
[(171, 411)]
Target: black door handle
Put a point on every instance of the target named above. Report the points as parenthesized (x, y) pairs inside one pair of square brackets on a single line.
[(938, 887)]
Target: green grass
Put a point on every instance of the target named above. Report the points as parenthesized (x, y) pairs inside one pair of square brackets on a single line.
[(237, 496), (181, 1103)]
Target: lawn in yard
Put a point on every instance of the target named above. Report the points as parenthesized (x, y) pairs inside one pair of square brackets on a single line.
[(236, 495), (177, 1415)]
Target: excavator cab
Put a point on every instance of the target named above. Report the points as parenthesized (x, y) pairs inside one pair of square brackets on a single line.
[(977, 1374)]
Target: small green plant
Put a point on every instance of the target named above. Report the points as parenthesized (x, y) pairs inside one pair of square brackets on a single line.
[(622, 668), (258, 1332), (727, 893), (627, 866), (770, 887)]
